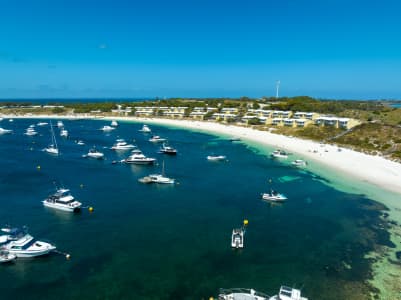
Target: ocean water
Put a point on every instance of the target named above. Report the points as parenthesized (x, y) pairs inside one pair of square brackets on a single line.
[(173, 242)]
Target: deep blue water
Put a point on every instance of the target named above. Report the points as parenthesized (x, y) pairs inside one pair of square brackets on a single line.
[(173, 242)]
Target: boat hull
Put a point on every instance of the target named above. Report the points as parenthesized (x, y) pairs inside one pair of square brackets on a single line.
[(62, 207)]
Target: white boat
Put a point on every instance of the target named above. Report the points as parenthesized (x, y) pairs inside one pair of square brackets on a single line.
[(93, 153), (64, 133), (22, 244), (145, 128), (4, 131), (235, 139), (156, 139), (167, 150), (52, 148), (279, 154), (114, 123), (216, 157), (122, 145), (6, 256), (42, 124), (30, 131), (285, 293), (138, 158), (11, 120), (60, 124), (160, 178), (274, 196), (107, 128), (299, 163), (62, 200), (81, 143), (237, 238)]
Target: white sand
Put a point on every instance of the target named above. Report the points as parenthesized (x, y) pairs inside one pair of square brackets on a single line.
[(374, 170)]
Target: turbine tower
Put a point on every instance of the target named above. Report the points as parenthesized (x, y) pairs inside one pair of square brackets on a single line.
[(277, 87)]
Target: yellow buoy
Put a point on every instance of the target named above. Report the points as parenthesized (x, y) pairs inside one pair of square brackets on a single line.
[(246, 222), (90, 209), (211, 298), (38, 167)]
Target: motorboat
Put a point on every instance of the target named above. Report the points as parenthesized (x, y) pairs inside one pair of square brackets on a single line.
[(237, 238), (64, 133), (121, 144), (114, 123), (11, 120), (138, 158), (30, 131), (167, 150), (145, 128), (299, 163), (62, 200), (6, 256), (22, 244), (4, 131), (156, 139), (279, 154), (235, 139), (42, 124), (52, 148), (81, 143), (107, 128), (241, 294), (285, 293), (93, 153), (274, 196), (60, 124), (216, 157)]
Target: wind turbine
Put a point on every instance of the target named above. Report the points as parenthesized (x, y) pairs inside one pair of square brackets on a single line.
[(277, 87)]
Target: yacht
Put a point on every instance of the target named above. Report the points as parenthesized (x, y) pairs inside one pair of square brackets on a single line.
[(145, 128), (4, 131), (81, 143), (156, 139), (93, 153), (60, 124), (114, 123), (121, 144), (279, 154), (64, 133), (158, 178), (107, 128), (237, 238), (285, 293), (52, 148), (274, 196), (30, 131), (299, 163), (6, 256), (167, 150), (62, 200), (138, 158), (216, 157), (42, 124), (22, 244), (235, 139)]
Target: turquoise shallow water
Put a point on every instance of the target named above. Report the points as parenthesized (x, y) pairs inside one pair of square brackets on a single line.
[(173, 242)]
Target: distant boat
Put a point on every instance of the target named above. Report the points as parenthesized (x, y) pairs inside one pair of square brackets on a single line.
[(121, 144), (285, 293), (81, 143), (107, 128), (156, 139), (30, 131), (145, 129), (5, 131), (62, 200), (114, 123), (138, 158), (93, 153), (42, 124), (235, 139), (64, 133), (274, 196), (237, 238), (52, 148), (216, 157), (279, 154), (158, 178), (60, 124), (167, 150), (299, 163)]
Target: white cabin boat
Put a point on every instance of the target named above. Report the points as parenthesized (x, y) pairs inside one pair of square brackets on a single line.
[(62, 200), (156, 139), (81, 143), (121, 144), (299, 163), (4, 131), (64, 133), (279, 154), (30, 131), (93, 153), (274, 196), (107, 128), (114, 123), (42, 124), (22, 244), (285, 293), (167, 150), (145, 129), (138, 158), (216, 157), (60, 124), (237, 238)]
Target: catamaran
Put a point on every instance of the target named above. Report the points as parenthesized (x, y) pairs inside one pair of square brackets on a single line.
[(52, 148)]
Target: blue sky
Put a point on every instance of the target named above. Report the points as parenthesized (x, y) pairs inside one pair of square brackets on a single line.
[(94, 48)]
